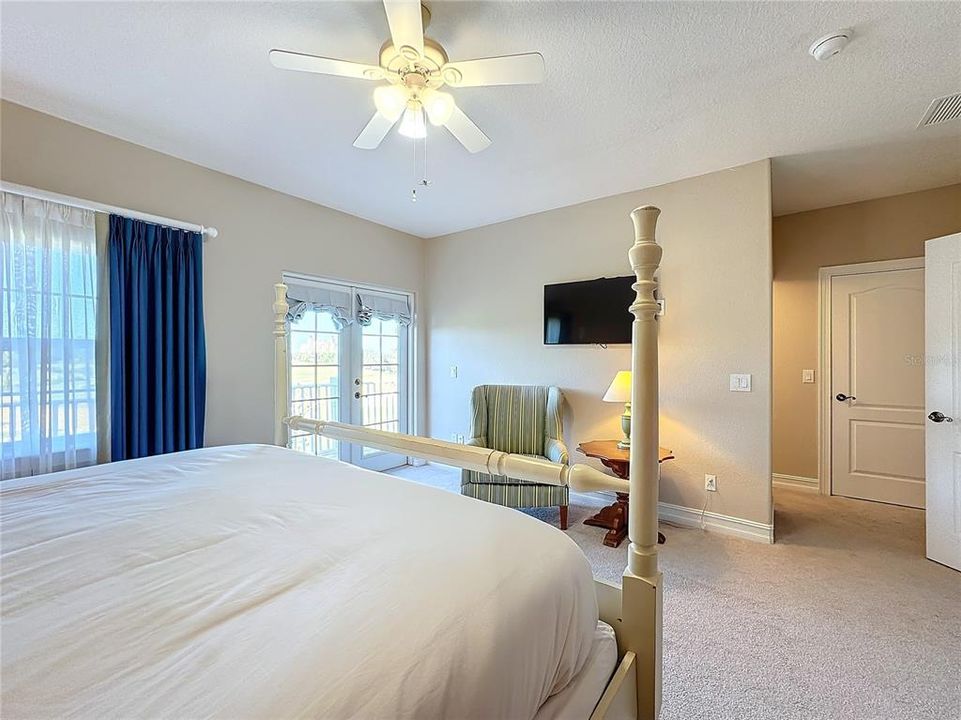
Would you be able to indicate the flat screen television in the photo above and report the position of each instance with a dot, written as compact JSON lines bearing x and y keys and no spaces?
{"x":588,"y":312}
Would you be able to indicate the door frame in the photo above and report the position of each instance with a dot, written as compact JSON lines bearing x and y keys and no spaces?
{"x":825,"y":275}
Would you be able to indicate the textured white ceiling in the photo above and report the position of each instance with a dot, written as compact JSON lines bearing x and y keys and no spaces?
{"x":637,"y":94}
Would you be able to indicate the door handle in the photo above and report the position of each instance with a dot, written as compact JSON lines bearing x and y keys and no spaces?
{"x":841,"y":397}
{"x":939,"y":417}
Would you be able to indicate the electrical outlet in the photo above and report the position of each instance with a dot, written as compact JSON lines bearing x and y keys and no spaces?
{"x":460,"y":439}
{"x":453,"y":437}
{"x":710,"y":483}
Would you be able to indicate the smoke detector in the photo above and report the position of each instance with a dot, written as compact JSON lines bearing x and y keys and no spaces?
{"x":830,"y":45}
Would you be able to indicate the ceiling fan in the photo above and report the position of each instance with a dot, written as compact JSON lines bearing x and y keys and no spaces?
{"x":415,"y":67}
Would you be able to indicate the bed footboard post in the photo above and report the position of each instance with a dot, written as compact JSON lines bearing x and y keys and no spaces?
{"x":642,"y":591}
{"x":281,"y":386}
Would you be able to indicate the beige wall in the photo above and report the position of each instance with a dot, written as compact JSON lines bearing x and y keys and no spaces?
{"x":262,"y":233}
{"x":883,"y":229}
{"x":486,"y":308}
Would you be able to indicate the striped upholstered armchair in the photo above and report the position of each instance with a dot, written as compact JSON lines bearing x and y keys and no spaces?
{"x":523,"y":419}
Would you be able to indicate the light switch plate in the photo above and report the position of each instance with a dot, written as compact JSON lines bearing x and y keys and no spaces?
{"x":807,"y":376}
{"x":740,"y":382}
{"x":453,"y":371}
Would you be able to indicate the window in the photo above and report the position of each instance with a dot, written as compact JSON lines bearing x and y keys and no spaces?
{"x":48,"y":311}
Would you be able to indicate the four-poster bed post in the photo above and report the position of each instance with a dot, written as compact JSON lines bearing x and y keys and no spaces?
{"x":281,"y":383}
{"x":642,"y":579}
{"x":635,"y":609}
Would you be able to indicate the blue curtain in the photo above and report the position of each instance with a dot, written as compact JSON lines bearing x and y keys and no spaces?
{"x":158,"y":362}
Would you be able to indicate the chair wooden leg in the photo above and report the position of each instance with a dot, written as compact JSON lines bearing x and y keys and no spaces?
{"x":563,"y":517}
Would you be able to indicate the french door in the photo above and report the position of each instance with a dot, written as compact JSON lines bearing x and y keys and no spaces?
{"x":351,"y":365}
{"x":378,"y":376}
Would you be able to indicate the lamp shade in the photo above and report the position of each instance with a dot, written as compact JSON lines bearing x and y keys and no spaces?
{"x":412,"y":124}
{"x":439,"y":106}
{"x":391,"y":101}
{"x":620,"y":389}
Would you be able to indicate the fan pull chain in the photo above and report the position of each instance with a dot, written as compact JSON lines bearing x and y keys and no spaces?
{"x":422,"y":181}
{"x":413,"y":192}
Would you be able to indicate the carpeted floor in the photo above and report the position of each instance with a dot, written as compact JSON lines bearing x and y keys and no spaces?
{"x":841,"y":618}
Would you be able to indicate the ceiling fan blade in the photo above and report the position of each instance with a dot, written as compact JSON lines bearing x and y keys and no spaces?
{"x":464,"y":129}
{"x":524,"y":69}
{"x":406,"y":26}
{"x":287,"y":60}
{"x":374,"y":132}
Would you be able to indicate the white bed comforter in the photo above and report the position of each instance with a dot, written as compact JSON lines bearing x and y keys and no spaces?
{"x":251,"y":581}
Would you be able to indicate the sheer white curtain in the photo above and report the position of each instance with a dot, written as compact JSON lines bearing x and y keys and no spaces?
{"x":47,"y":330}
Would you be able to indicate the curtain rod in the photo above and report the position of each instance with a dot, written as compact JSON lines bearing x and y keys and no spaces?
{"x":207,"y":232}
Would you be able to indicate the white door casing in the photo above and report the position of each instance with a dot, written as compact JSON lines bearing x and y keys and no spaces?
{"x":877,"y":386}
{"x":943,"y":396}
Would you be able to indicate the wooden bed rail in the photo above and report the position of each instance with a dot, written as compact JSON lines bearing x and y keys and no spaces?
{"x":494,"y":462}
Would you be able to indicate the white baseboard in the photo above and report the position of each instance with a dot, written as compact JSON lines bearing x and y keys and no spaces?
{"x":715,"y":522}
{"x":725,"y":524}
{"x":796,"y":482}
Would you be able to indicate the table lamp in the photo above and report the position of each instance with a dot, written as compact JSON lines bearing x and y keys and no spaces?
{"x":620,"y":392}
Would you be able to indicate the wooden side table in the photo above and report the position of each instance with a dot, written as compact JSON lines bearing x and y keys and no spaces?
{"x":614,"y":517}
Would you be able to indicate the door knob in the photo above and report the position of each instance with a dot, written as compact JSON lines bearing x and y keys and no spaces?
{"x":357,"y":395}
{"x":841,"y":397}
{"x":939,"y":417}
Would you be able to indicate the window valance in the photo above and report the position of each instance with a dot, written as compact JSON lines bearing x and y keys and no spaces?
{"x":344,"y":303}
{"x":304,"y":296}
{"x":384,"y":306}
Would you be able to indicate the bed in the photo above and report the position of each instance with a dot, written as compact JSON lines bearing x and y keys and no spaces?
{"x":241,"y":582}
{"x":255,"y":581}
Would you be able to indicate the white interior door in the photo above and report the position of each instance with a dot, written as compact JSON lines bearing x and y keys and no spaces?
{"x":877,"y":386}
{"x":943,"y":399}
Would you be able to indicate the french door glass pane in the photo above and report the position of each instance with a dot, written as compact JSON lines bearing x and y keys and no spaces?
{"x":315,"y":356}
{"x":381,"y":392}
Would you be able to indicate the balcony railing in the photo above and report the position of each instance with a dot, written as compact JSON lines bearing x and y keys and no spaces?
{"x":322,"y":402}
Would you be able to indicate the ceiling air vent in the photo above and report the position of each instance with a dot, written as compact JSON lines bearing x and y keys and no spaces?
{"x":941,"y":110}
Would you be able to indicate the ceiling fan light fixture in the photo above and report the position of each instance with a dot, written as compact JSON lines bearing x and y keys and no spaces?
{"x":390,"y":101}
{"x":439,"y":106}
{"x":414,"y":68}
{"x":412,"y":125}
